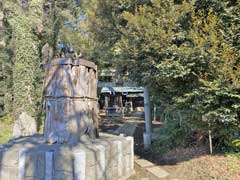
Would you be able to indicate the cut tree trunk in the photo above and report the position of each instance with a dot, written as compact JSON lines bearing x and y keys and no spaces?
{"x":71,"y":100}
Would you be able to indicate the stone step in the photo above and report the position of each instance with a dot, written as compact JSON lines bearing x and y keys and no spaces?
{"x":144,"y":163}
{"x":158,"y":172}
{"x":152,"y":171}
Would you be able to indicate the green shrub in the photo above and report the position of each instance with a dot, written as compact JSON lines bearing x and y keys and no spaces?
{"x":177,"y":131}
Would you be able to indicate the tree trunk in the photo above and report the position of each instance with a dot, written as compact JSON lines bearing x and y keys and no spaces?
{"x":23,"y":20}
{"x":24,"y":70}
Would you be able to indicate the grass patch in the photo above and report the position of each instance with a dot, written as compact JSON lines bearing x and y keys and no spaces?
{"x":6,"y":126}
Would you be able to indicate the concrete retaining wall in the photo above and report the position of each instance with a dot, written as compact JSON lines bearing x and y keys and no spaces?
{"x":107,"y":158}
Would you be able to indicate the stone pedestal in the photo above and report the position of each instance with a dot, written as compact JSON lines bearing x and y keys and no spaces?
{"x":73,"y":152}
{"x":30,"y":158}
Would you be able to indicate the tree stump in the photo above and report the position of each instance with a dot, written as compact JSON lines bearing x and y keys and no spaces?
{"x":71,"y":100}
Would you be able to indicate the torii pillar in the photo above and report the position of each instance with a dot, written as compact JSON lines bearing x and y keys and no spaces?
{"x":147,"y":135}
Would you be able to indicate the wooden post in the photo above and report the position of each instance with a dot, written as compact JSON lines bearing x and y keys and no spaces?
{"x":154,"y":112}
{"x":210,"y":138}
{"x":120,"y":102}
{"x":131,"y":104}
{"x":106,"y":99}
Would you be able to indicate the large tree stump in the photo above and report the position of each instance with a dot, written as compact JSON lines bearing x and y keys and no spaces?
{"x":71,"y":100}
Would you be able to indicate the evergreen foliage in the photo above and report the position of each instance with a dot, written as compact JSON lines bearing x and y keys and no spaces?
{"x":187,"y":52}
{"x":24,"y":20}
{"x":5,"y":67}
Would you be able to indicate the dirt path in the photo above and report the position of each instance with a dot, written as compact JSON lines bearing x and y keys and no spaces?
{"x":193,"y":163}
{"x":110,"y":125}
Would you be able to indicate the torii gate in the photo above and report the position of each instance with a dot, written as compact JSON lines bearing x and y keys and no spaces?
{"x":147,"y":135}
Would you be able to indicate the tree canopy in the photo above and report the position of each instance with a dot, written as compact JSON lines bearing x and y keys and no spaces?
{"x":187,"y":52}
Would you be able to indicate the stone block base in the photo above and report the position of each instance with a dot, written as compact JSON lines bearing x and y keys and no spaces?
{"x":30,"y":158}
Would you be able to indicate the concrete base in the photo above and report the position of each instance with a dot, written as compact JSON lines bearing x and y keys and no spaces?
{"x":30,"y":158}
{"x":147,"y":140}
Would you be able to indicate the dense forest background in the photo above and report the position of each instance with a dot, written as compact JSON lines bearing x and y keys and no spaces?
{"x":186,"y":52}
